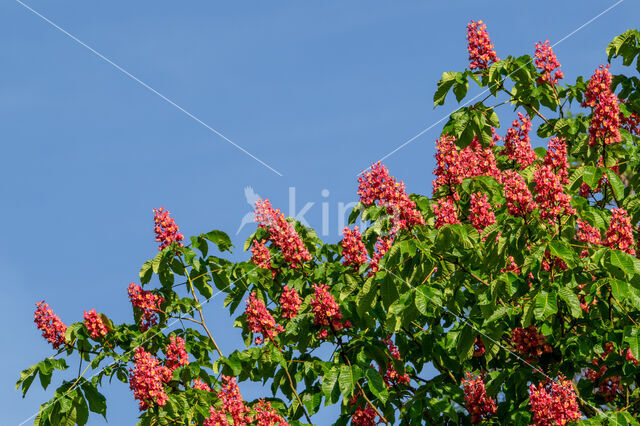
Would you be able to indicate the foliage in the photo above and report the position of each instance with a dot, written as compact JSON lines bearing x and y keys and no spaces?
{"x":519,"y":271}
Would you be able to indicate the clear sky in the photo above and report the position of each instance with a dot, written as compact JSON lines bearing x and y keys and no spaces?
{"x":316,"y":90}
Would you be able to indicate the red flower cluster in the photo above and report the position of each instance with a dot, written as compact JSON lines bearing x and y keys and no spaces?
{"x":326,"y":311}
{"x":148,"y":303}
{"x":519,"y":199}
{"x":478,"y":347}
{"x":587,"y":234}
{"x":53,"y":329}
{"x":620,"y":233}
{"x":147,"y":379}
{"x":266,"y":415}
{"x":260,"y":320}
{"x":452,"y":165}
{"x":546,"y":61}
{"x":512,"y":266}
{"x":553,"y":403}
{"x":364,"y":416}
{"x":446,"y":212}
{"x":550,"y":195}
{"x":175,"y":353}
{"x":232,"y":405}
{"x":480,"y":213}
{"x":94,"y":324}
{"x":260,"y":255}
{"x":481,"y":52}
{"x":282,"y":234}
{"x":289,"y":302}
{"x":630,"y":123}
{"x":376,"y":185}
{"x":391,"y":376}
{"x":199,"y":384}
{"x":477,"y":403}
{"x":599,"y":83}
{"x":353,"y":250}
{"x":517,"y":144}
{"x":530,"y":343}
{"x":609,"y":387}
{"x":383,"y":245}
{"x":605,"y":122}
{"x":165,"y":228}
{"x":556,"y":158}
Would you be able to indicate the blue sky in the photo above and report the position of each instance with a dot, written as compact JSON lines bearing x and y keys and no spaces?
{"x":317,"y":90}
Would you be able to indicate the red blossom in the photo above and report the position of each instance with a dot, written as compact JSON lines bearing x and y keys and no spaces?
{"x":477,"y":403}
{"x":481,"y":50}
{"x":452,"y":165}
{"x":480,"y":213}
{"x":630,"y":123}
{"x":266,"y":415}
{"x":148,"y":303}
{"x":232,"y":405}
{"x":512,"y":266}
{"x":282,"y":234}
{"x":529,"y":342}
{"x":364,"y":416}
{"x":478,"y":347}
{"x":199,"y":384}
{"x":260,"y":320}
{"x":147,"y":380}
{"x":94,"y":324}
{"x":326,"y":310}
{"x":165,"y":228}
{"x":377,"y":186}
{"x":175,"y":353}
{"x":553,"y":403}
{"x":353,"y":250}
{"x":605,"y":121}
{"x":260,"y":255}
{"x":599,"y":83}
{"x":620,"y":233}
{"x":519,"y":199}
{"x":289,"y":302}
{"x":517,"y":144}
{"x":556,"y":158}
{"x":546,"y":61}
{"x":383,"y":245}
{"x":391,"y":376}
{"x":446,"y":212}
{"x":53,"y":329}
{"x":587,"y":234}
{"x":550,"y":195}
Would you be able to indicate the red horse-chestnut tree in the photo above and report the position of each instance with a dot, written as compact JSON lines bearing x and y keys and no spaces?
{"x":510,"y":295}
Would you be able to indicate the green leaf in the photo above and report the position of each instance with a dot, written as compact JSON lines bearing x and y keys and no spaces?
{"x":622,"y":261}
{"x":546,"y":305}
{"x":562,"y":250}
{"x":220,"y":239}
{"x":146,"y":272}
{"x":329,"y":382}
{"x":591,"y":176}
{"x":572,"y":301}
{"x":376,"y":385}
{"x":346,"y":381}
{"x":620,"y":290}
{"x":464,"y":345}
{"x":97,"y":401}
{"x":444,"y":85}
{"x":616,"y":183}
{"x":366,"y":297}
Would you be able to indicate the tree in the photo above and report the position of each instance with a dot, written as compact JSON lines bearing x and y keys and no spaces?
{"x":518,"y":281}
